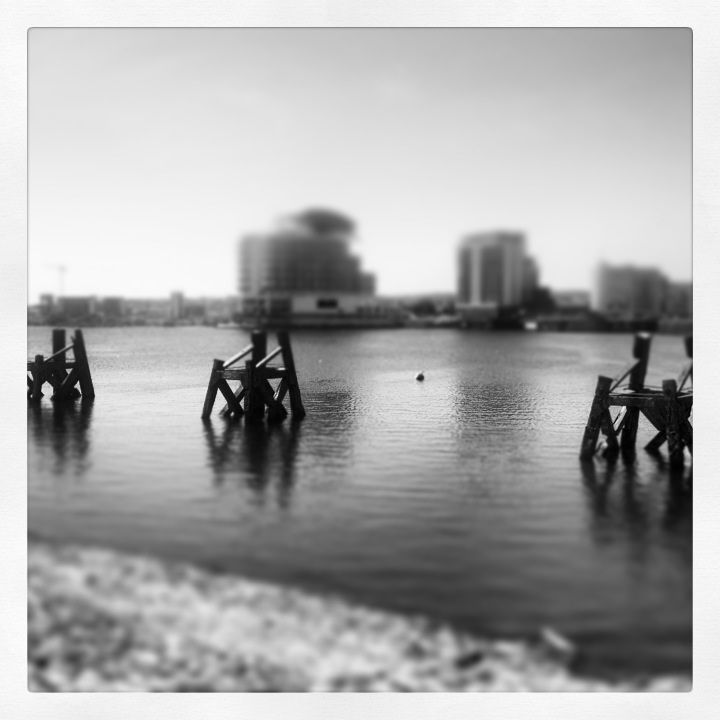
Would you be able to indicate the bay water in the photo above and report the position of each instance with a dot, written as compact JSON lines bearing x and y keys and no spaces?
{"x":460,"y":498}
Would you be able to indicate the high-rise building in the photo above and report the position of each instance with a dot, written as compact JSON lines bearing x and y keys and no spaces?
{"x":678,"y":302}
{"x":305,"y":268}
{"x":493,"y":271}
{"x":629,"y":292}
{"x":531,"y":278}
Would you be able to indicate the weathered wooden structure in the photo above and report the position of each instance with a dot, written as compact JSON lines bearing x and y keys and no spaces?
{"x":61,"y":373}
{"x":667,"y":409}
{"x":255,"y":393}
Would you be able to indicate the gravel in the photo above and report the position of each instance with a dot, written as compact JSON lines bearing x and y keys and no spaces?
{"x":106,"y":621}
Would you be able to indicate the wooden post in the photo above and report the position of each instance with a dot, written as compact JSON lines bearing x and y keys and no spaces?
{"x":296,"y":406}
{"x":654,"y":445}
{"x":656,"y":415}
{"x":58,"y":343}
{"x":38,"y":373}
{"x":686,"y":430}
{"x":212,"y":389}
{"x":233,"y":404}
{"x":598,"y":407}
{"x":687,"y":371}
{"x":58,"y":370}
{"x":608,"y":429}
{"x":636,"y":382}
{"x":82,"y":366}
{"x":259,"y":343}
{"x":254,"y":403}
{"x":641,"y":352}
{"x":672,"y":431}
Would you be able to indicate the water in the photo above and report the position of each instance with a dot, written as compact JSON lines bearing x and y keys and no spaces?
{"x":460,"y":497}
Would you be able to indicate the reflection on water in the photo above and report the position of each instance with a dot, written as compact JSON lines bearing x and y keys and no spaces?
{"x":260,"y":454}
{"x":631,"y":500}
{"x":64,"y":429}
{"x":460,"y":497}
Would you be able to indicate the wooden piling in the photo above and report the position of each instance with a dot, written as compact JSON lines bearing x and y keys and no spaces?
{"x":668,"y":410}
{"x":636,"y":383}
{"x":255,"y":390}
{"x":296,"y":406}
{"x":58,"y":344}
{"x":672,"y":430}
{"x":595,"y":418}
{"x":259,"y":345}
{"x":38,"y":377}
{"x":233,"y":404}
{"x":83,"y":368}
{"x":57,"y":363}
{"x":62,"y":374}
{"x":212,"y":388}
{"x":687,"y":371}
{"x":254,"y":405}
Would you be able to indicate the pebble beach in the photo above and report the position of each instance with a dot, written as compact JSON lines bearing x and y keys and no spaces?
{"x":99,"y":620}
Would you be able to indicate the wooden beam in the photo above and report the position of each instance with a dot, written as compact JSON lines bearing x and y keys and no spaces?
{"x":233,"y":405}
{"x":629,"y":433}
{"x":296,"y":405}
{"x":236,"y":357}
{"x":276,"y":412}
{"x":269,"y":357}
{"x":592,"y":429}
{"x":271,"y":373}
{"x":672,"y":430}
{"x":212,"y":389}
{"x":83,"y":367}
{"x":641,"y":351}
{"x":656,"y":416}
{"x":656,"y":442}
{"x":38,"y":377}
{"x":606,"y":425}
{"x":643,"y":400}
{"x":239,"y":395}
{"x":254,"y":404}
{"x":65,"y":390}
{"x":282,"y":388}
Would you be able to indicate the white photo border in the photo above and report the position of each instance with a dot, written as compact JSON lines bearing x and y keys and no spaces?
{"x":704,"y":21}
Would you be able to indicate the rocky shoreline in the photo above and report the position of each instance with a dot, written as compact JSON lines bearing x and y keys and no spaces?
{"x":99,"y":620}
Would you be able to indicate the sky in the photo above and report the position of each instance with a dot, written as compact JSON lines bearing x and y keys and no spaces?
{"x":152,"y":151}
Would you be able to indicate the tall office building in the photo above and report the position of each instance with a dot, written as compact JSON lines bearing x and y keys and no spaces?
{"x":629,"y":292}
{"x":678,"y":301}
{"x":493,"y":271}
{"x":305,"y":268}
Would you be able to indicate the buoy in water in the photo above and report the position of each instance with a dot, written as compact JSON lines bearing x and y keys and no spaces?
{"x":420,"y":376}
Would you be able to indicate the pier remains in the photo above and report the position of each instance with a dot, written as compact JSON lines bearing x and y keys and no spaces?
{"x":667,"y":408}
{"x":255,"y":394}
{"x":69,"y":378}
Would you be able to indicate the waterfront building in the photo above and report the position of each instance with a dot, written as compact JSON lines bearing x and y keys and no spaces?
{"x":304,"y":273}
{"x":177,"y":306}
{"x":112,"y":309}
{"x":531,"y":279}
{"x":150,"y":311}
{"x":629,"y":292}
{"x":77,"y":306}
{"x":571,"y":300}
{"x":493,"y":274}
{"x":679,"y":301}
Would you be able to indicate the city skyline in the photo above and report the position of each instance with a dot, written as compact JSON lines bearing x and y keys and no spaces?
{"x":152,"y":151}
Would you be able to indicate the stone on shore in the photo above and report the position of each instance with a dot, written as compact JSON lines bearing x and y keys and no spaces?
{"x":106,"y":621}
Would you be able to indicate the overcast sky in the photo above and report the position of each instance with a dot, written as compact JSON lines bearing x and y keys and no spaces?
{"x":152,"y":151}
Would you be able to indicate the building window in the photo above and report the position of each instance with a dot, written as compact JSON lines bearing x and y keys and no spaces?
{"x":327,"y":303}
